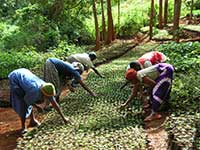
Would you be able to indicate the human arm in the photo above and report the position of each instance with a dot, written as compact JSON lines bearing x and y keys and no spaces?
{"x":148,"y":81}
{"x":96,"y":71}
{"x":86,"y":88}
{"x":125,"y":84}
{"x":133,"y":94}
{"x":69,"y":85}
{"x":57,"y":108}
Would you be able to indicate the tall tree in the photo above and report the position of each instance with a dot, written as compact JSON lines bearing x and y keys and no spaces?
{"x":111,"y":32}
{"x":151,"y":20}
{"x":119,"y":13}
{"x":96,"y":25}
{"x":177,"y":10}
{"x":160,"y":18}
{"x":165,"y":12}
{"x":56,"y":9}
{"x":191,"y":9}
{"x":103,"y":22}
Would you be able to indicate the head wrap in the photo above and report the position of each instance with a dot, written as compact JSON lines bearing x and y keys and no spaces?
{"x":79,"y":66}
{"x":92,"y":55}
{"x":135,"y":65}
{"x":130,"y":74}
{"x":48,"y":89}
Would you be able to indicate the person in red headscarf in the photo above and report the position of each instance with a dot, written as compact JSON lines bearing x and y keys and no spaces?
{"x":159,"y":78}
{"x":147,"y":60}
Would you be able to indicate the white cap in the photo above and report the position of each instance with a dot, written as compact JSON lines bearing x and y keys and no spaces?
{"x":78,"y":65}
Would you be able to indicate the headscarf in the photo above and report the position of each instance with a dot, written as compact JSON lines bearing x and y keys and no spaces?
{"x":48,"y":89}
{"x":92,"y":55}
{"x":79,"y":66}
{"x":130,"y":74}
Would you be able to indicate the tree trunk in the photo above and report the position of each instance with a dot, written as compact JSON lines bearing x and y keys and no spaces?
{"x":160,"y":25}
{"x":151,"y":20}
{"x":177,"y":9}
{"x":111,"y":33}
{"x":165,"y":13}
{"x":96,"y":25}
{"x":103,"y":22}
{"x":191,"y":9}
{"x":56,"y":9}
{"x":118,"y":15}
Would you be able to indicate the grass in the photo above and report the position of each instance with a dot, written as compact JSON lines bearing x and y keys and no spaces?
{"x":192,"y":27}
{"x":97,"y":123}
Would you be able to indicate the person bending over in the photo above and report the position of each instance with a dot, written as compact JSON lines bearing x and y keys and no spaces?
{"x":86,"y":59}
{"x":27,"y":90}
{"x":147,"y":60}
{"x":62,"y":73}
{"x":159,"y":77}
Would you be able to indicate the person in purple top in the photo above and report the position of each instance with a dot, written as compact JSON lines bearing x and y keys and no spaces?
{"x":159,"y":78}
{"x":62,"y":73}
{"x":27,"y":90}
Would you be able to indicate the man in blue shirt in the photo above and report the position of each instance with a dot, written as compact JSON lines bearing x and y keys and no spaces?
{"x":26,"y":89}
{"x":60,"y":73}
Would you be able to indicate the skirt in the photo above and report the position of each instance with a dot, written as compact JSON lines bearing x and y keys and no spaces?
{"x":17,"y":99}
{"x":162,"y":89}
{"x":51,"y":75}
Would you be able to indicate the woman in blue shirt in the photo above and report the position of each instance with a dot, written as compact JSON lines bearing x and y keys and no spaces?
{"x":26,"y":90}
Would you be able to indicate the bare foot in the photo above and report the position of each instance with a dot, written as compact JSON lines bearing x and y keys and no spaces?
{"x":146,"y":106}
{"x":153,"y":117}
{"x":34,"y":123}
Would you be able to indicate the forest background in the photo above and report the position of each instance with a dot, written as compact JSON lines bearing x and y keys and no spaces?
{"x":32,"y":31}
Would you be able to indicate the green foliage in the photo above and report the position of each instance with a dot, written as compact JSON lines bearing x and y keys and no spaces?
{"x":96,"y":122}
{"x":75,"y":30}
{"x":130,"y":17}
{"x":8,"y":7}
{"x":29,"y":58}
{"x":184,"y":56}
{"x":13,"y":60}
{"x":64,"y":49}
{"x":196,"y":4}
{"x":161,"y":34}
{"x":185,"y":94}
{"x":43,"y":24}
{"x":42,"y":33}
{"x":185,"y":100}
{"x":183,"y":130}
{"x":6,"y":32}
{"x":192,"y":27}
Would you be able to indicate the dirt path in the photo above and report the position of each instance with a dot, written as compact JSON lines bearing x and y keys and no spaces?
{"x":10,"y":128}
{"x":156,"y":135}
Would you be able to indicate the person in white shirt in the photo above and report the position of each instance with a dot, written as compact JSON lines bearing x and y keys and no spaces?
{"x":159,"y":78}
{"x":86,"y":59}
